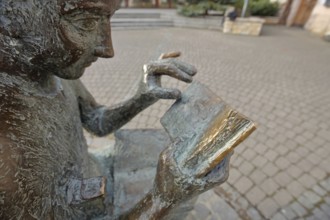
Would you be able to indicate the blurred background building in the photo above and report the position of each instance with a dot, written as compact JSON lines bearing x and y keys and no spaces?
{"x":313,"y":15}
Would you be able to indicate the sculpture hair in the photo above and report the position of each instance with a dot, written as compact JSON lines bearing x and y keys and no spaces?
{"x":25,"y":29}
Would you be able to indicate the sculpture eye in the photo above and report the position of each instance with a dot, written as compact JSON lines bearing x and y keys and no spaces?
{"x":86,"y":24}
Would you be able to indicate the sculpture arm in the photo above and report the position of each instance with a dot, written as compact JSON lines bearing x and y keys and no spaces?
{"x":102,"y":120}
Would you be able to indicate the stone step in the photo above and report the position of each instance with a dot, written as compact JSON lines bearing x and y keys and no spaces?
{"x":137,"y":15}
{"x":138,"y":23}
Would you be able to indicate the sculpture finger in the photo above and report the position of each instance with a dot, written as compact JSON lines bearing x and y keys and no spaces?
{"x":166,"y":93}
{"x":219,"y":173}
{"x":168,"y":69}
{"x":169,"y":55}
{"x":185,"y":67}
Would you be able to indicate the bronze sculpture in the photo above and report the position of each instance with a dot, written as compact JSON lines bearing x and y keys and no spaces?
{"x":45,"y":169}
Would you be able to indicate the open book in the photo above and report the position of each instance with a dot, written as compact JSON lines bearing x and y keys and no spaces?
{"x":205,"y":127}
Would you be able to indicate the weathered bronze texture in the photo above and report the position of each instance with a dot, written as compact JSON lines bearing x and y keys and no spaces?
{"x":46,"y":171}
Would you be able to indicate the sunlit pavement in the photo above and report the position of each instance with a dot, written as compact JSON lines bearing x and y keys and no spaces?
{"x":280,"y":80}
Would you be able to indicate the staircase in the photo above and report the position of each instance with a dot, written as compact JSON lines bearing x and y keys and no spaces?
{"x":140,"y":18}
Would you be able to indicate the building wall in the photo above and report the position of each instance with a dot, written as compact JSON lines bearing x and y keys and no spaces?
{"x":293,"y":12}
{"x":319,"y":21}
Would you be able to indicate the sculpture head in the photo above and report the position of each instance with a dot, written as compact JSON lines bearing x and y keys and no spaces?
{"x":60,"y":37}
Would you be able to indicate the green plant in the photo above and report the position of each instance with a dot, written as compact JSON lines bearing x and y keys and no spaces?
{"x":264,"y":8}
{"x":258,"y":7}
{"x":200,"y":9}
{"x":239,"y":7}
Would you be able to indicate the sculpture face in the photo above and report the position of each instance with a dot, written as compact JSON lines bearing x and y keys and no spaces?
{"x":65,"y":37}
{"x":85,"y":32}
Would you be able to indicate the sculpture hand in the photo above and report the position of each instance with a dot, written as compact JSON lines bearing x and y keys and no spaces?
{"x":151,"y":83}
{"x":176,"y":181}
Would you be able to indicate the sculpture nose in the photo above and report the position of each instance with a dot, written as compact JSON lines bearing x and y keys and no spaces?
{"x":104,"y":48}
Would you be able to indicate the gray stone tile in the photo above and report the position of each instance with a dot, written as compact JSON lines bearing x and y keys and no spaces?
{"x":295,"y":188}
{"x":243,"y":184}
{"x":270,"y":169}
{"x":307,"y":180}
{"x":299,"y":209}
{"x":282,"y":197}
{"x":283,"y":179}
{"x":269,"y":186}
{"x":257,"y":176}
{"x":268,"y":207}
{"x":255,"y":195}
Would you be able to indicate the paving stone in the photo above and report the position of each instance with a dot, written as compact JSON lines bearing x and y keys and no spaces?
{"x":305,"y":202}
{"x":278,"y":216}
{"x":320,"y":214}
{"x":246,"y":168}
{"x":307,"y":180}
{"x":282,"y":197}
{"x":311,"y":218}
{"x":234,"y":175}
{"x":255,"y":195}
{"x":242,"y":202}
{"x":288,"y":213}
{"x":314,"y":158}
{"x":295,"y":188}
{"x":324,"y":164}
{"x":257,"y":176}
{"x":223,"y":210}
{"x":269,"y":186}
{"x":282,"y":163}
{"x":322,"y":152}
{"x":312,"y":197}
{"x":282,"y":150}
{"x":236,"y":161}
{"x":298,"y":209}
{"x":324,"y":134}
{"x":243,"y":184}
{"x":271,"y":155}
{"x":259,"y":161}
{"x":201,"y":211}
{"x":260,"y":148}
{"x":326,"y":184}
{"x":303,"y":152}
{"x":318,"y":173}
{"x":301,"y":139}
{"x":293,"y":157}
{"x":326,"y":209}
{"x":305,"y":165}
{"x":283,"y":179}
{"x":268,"y":207}
{"x":249,"y":154}
{"x":270,"y":169}
{"x":271,"y":143}
{"x":319,"y":190}
{"x":254,"y":214}
{"x":294,"y":171}
{"x":327,"y":199}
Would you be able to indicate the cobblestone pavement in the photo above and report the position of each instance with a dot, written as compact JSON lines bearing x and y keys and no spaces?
{"x":280,"y":80}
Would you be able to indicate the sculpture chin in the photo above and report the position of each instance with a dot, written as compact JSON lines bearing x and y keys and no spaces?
{"x":75,"y":70}
{"x":70,"y":73}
